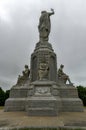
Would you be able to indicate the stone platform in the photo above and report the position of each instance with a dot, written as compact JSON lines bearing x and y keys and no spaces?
{"x":42,"y":106}
{"x":44,"y":98}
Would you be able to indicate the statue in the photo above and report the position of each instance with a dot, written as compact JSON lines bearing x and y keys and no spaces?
{"x":24,"y":77}
{"x":26,"y":72}
{"x":43,"y":70}
{"x":62,"y":76}
{"x":44,"y":26}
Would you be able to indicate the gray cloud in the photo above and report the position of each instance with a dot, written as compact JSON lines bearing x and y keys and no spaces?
{"x":19,"y":34}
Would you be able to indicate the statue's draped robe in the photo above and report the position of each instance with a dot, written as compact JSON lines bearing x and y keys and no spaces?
{"x":44,"y":25}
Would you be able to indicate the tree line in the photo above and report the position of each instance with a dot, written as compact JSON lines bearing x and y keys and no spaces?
{"x":3,"y":96}
{"x":81,"y":93}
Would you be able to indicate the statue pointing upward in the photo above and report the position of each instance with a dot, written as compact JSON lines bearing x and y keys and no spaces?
{"x":45,"y":25}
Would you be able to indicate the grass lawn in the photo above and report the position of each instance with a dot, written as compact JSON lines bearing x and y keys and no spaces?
{"x":1,"y":107}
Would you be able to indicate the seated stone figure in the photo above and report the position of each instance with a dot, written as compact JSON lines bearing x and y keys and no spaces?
{"x":62,"y":76}
{"x":26,"y":72}
{"x":43,"y":70}
{"x":24,"y":77}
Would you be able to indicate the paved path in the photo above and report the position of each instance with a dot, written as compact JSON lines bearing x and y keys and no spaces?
{"x":14,"y":119}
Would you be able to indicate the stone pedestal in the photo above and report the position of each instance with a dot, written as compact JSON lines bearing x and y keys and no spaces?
{"x":45,"y":99}
{"x":15,"y":104}
{"x":41,"y":106}
{"x":44,"y":95}
{"x":69,"y":99}
{"x":43,"y":50}
{"x":17,"y":99}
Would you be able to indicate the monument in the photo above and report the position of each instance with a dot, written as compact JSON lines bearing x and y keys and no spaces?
{"x":42,"y":89}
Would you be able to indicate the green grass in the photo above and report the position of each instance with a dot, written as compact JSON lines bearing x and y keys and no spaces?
{"x":1,"y":107}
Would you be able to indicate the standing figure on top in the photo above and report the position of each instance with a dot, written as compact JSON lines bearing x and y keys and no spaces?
{"x":44,"y":26}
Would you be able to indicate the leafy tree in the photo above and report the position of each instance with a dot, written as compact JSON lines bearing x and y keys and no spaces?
{"x":82,"y":93}
{"x":7,"y":94}
{"x":2,"y":97}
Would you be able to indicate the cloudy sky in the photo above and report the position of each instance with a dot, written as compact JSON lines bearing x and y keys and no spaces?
{"x":19,"y":34}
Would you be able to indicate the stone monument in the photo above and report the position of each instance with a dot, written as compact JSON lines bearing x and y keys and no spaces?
{"x":42,"y":89}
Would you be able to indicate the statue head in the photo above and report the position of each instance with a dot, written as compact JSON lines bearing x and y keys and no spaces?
{"x":42,"y":12}
{"x":26,"y":66}
{"x":62,"y":66}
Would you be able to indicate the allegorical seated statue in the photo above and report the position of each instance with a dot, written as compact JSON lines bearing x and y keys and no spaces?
{"x":25,"y":75}
{"x":62,"y":76}
{"x":44,"y":26}
{"x":43,"y":70}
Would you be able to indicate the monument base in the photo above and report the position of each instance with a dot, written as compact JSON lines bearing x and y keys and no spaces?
{"x":69,"y":98}
{"x":17,"y":99}
{"x":42,"y":106}
{"x":15,"y":104}
{"x":44,"y":98}
{"x":72,"y":105}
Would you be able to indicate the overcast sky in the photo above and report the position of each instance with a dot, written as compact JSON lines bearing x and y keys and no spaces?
{"x":19,"y":34}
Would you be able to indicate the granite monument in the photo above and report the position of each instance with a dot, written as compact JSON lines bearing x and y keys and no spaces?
{"x":42,"y":90}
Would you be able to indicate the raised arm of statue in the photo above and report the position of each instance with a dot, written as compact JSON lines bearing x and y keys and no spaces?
{"x":51,"y":13}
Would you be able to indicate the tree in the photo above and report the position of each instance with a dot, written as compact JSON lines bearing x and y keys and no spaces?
{"x":82,"y":93}
{"x":2,"y":97}
{"x":7,"y":94}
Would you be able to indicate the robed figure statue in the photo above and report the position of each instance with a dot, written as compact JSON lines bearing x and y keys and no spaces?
{"x":44,"y":26}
